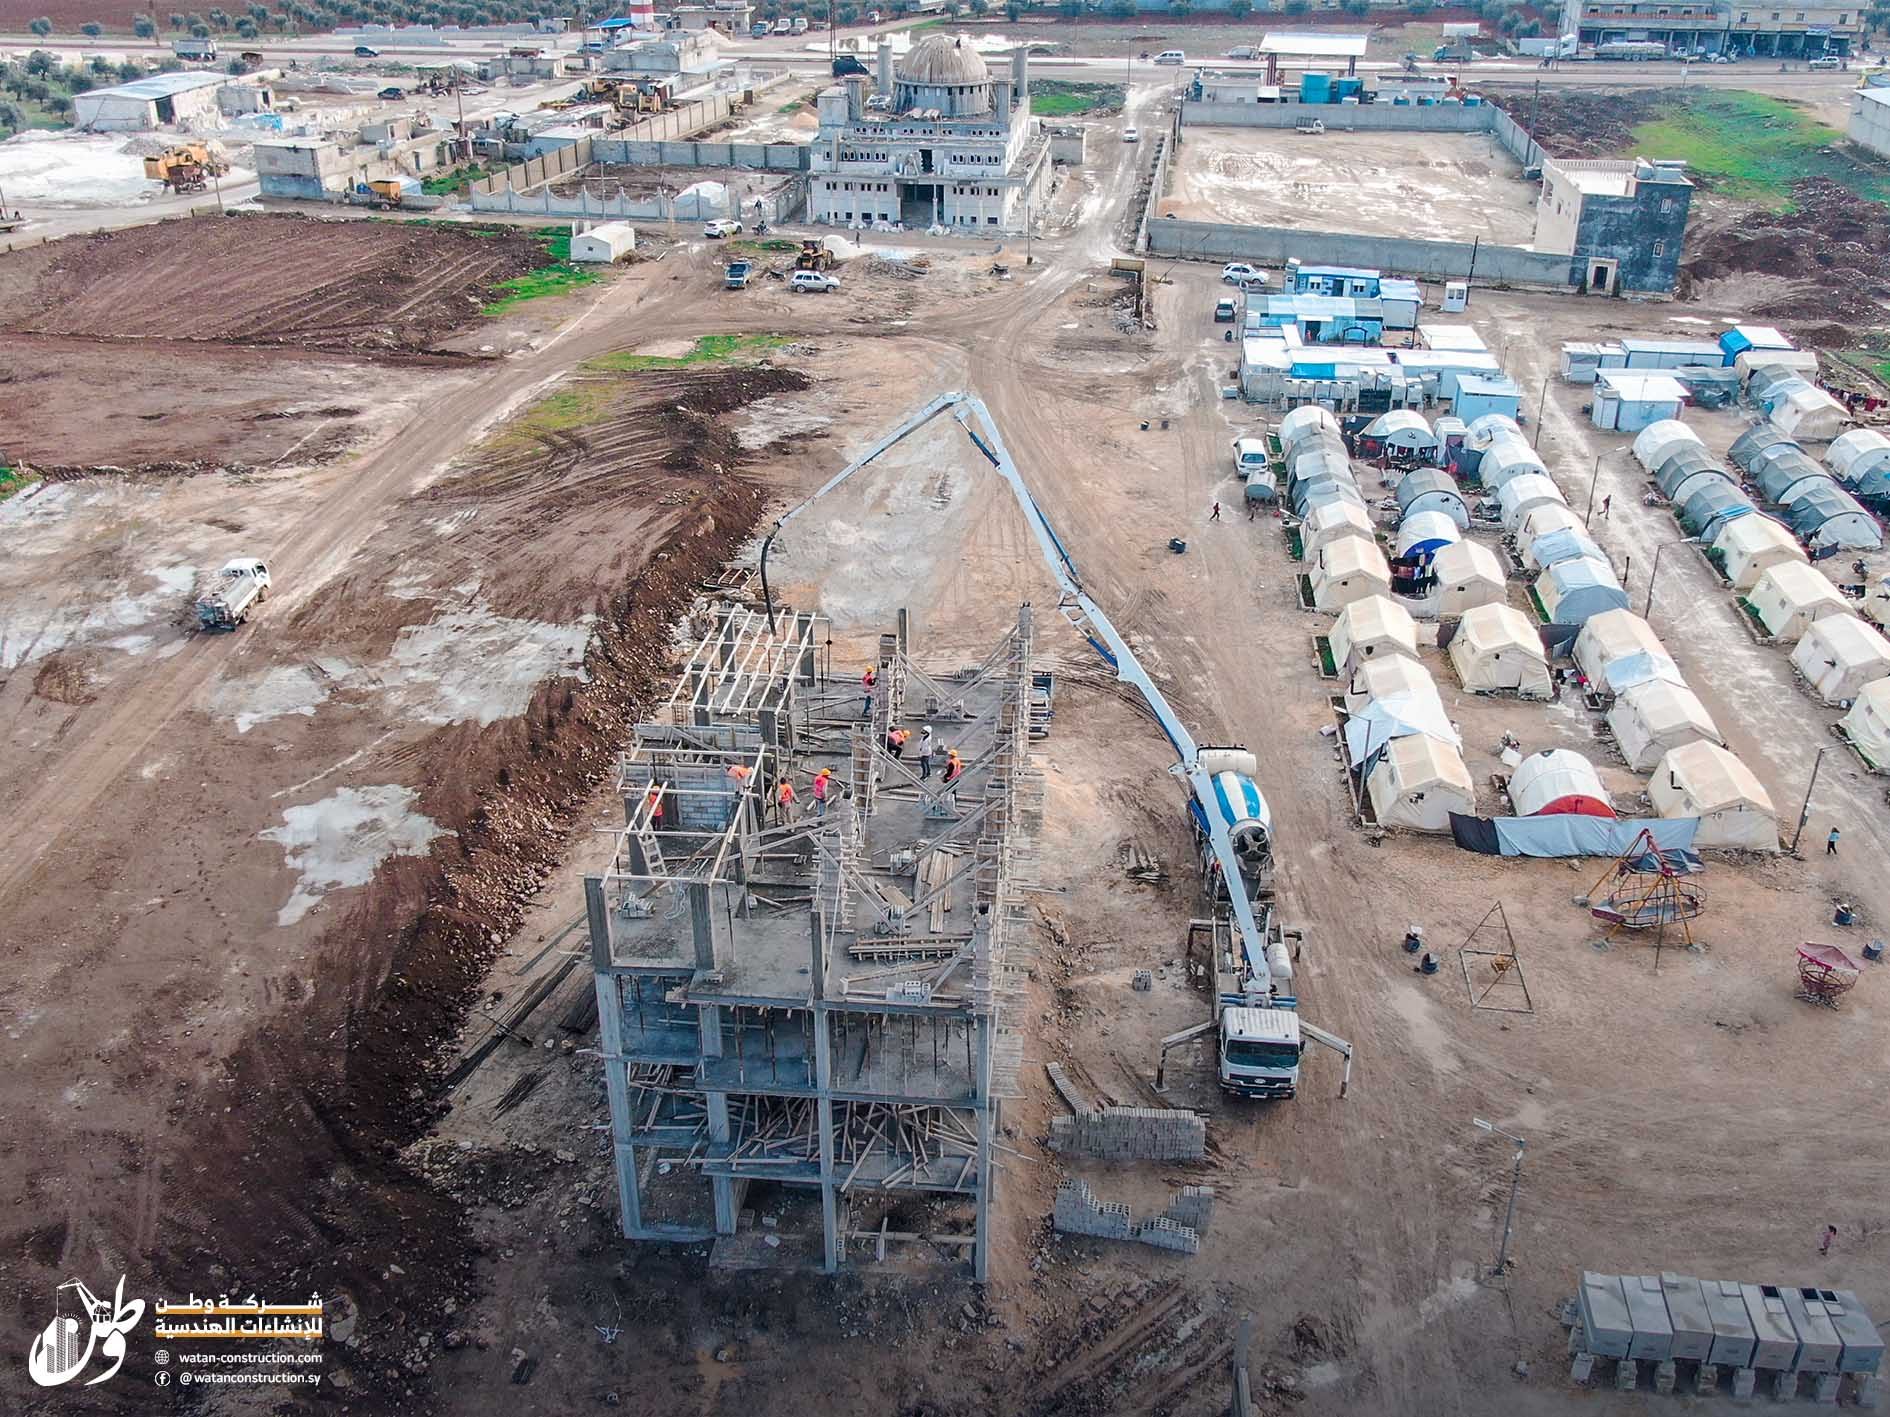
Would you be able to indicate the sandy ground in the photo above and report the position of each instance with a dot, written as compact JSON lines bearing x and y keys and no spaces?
{"x":1696,"y":1119}
{"x":1439,"y":186}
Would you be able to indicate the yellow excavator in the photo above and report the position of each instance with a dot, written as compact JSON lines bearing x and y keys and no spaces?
{"x":188,"y":167}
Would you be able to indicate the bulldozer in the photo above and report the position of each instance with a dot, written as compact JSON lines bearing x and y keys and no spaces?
{"x":814,"y":256}
{"x":188,"y":167}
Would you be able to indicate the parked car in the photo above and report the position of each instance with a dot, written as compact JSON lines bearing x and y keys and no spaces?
{"x":845,"y":64}
{"x":784,"y":25}
{"x":393,"y":91}
{"x":1226,"y":310}
{"x":800,"y":24}
{"x":1825,"y":61}
{"x":758,"y":30}
{"x":872,"y":17}
{"x":1131,"y":135}
{"x":720,"y":227}
{"x":737,"y":275}
{"x":1243,"y":275}
{"x":813,"y":282}
{"x":1171,"y":56}
{"x":362,"y":51}
{"x":1244,"y":51}
{"x":1721,"y":59}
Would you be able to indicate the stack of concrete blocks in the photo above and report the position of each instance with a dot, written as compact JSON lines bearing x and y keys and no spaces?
{"x":1131,"y":1134}
{"x":1179,"y":1228}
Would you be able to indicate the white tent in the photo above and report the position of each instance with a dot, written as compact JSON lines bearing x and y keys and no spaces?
{"x":1572,"y":591}
{"x":1558,"y":782}
{"x":1467,"y":575}
{"x":1403,"y":429}
{"x":1425,"y":534}
{"x":1387,"y":677}
{"x":1418,"y":783}
{"x":1867,"y":726}
{"x":1856,"y":454}
{"x":1550,"y":516}
{"x":1496,"y":649}
{"x":1369,"y":628}
{"x":1521,"y":495}
{"x":1656,"y":717}
{"x":1509,"y":456}
{"x":1703,"y":780}
{"x":1809,"y":414}
{"x":1563,"y":544}
{"x":1804,"y":361}
{"x":1332,"y":521}
{"x":1609,"y":638}
{"x":1748,"y":547}
{"x":1486,"y":427}
{"x":1660,"y":438}
{"x":1876,"y":606}
{"x":1839,"y":655}
{"x":1307,"y":421}
{"x":1348,"y":569}
{"x":1790,"y":596}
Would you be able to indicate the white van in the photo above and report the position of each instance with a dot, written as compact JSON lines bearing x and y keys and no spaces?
{"x":800,"y":24}
{"x":1171,"y":56}
{"x":1250,"y":456}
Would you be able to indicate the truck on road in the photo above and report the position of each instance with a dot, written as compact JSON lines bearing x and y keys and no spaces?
{"x":232,"y":593}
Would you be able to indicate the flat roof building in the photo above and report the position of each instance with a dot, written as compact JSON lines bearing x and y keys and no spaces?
{"x":1621,"y":222}
{"x":1870,"y":120}
{"x":155,"y":102}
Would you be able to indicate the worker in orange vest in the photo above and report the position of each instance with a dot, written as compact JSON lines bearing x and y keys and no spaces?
{"x":784,"y":800}
{"x":954,"y":769}
{"x":655,"y":801}
{"x":896,"y":742}
{"x":740,"y":773}
{"x":867,"y":681}
{"x":823,"y":782}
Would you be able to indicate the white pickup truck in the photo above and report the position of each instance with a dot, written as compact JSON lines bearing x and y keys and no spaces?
{"x":233,"y":592}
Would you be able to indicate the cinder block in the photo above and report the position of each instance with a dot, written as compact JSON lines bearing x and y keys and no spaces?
{"x":1164,"y":1234}
{"x":1664,"y":1375}
{"x":1580,"y":1370}
{"x":1627,"y":1374}
{"x":1193,"y":1206}
{"x":1869,"y":1391}
{"x":1744,"y":1381}
{"x":1826,"y":1391}
{"x":1706,"y":1380}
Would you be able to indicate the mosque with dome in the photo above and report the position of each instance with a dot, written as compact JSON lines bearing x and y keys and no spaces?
{"x":939,"y":142}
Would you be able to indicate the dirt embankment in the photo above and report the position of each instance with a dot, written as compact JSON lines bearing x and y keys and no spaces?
{"x":1585,"y":123}
{"x":355,"y":286}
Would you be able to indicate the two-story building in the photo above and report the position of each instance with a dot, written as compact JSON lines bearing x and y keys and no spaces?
{"x":1708,"y":27}
{"x":942,"y":143}
{"x":1621,"y":223}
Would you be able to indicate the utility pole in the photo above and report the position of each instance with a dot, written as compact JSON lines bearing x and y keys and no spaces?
{"x":1515,"y":1185}
{"x":1804,"y":809}
{"x":1535,"y":110}
{"x":1592,"y":483}
{"x":1470,"y":276}
{"x":1648,"y":608}
{"x":1541,"y":404}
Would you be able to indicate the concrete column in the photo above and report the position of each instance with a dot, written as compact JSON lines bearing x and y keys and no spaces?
{"x":1020,"y":75}
{"x":987,"y":1118}
{"x":704,"y":927}
{"x":610,"y":1045}
{"x":722,"y":1188}
{"x":823,"y":1105}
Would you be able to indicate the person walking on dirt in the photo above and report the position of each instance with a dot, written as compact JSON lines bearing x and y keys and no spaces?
{"x":1215,"y":515}
{"x":925,"y":752}
{"x":1830,"y":843}
{"x":1253,"y":509}
{"x":1606,"y":503}
{"x":823,"y":781}
{"x":784,"y":801}
{"x":1830,"y":1234}
{"x":867,"y":681}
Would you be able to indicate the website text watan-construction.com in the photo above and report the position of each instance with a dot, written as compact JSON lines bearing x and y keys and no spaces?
{"x":258,"y":1369}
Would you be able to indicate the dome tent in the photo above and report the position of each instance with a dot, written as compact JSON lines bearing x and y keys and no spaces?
{"x":1496,"y":649}
{"x":1302,"y":423}
{"x":1755,"y":440}
{"x":1703,"y":780}
{"x":1710,"y":503}
{"x":1860,"y":459}
{"x":1558,"y":782}
{"x":1784,"y":468}
{"x":1571,"y":591}
{"x":1839,"y":655}
{"x":1422,"y":535}
{"x":1652,"y":719}
{"x":1403,"y":430}
{"x":1431,"y":489}
{"x":1660,"y":438}
{"x":1680,"y":466}
{"x":1824,"y":514}
{"x":1507,"y":458}
{"x":1747,"y":547}
{"x":1521,"y":495}
{"x":1417,"y":782}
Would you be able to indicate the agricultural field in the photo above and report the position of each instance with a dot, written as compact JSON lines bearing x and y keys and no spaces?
{"x":1755,"y":148}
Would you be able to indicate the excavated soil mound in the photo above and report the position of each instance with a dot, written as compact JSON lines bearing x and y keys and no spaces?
{"x":1834,"y":242}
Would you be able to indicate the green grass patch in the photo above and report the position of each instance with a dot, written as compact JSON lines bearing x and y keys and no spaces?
{"x":1295,"y":548}
{"x":573,"y":406}
{"x":556,"y":279}
{"x":1754,"y":147}
{"x":1055,"y":98}
{"x":785,"y":109}
{"x":448,"y":183}
{"x":1328,"y":667}
{"x":710,"y":349}
{"x":1870,"y":361}
{"x":776,"y":244}
{"x":13,"y":479}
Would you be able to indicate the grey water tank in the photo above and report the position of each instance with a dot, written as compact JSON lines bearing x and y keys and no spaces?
{"x":1863,"y":1345}
{"x":1607,"y":1327}
{"x":1777,"y":1340}
{"x":1687,"y":1311}
{"x":1819,"y":1346}
{"x":1733,"y":1339}
{"x":1647,"y":1307}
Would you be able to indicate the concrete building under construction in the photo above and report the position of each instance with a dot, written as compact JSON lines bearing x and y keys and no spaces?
{"x":816,"y":999}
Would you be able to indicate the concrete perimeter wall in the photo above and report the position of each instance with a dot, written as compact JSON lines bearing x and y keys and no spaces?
{"x":768,"y":157}
{"x":1426,"y":260}
{"x":1340,"y":117}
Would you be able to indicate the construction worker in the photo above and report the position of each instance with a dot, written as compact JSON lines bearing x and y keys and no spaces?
{"x":740,"y":774}
{"x":823,"y":782}
{"x":896,"y":742}
{"x":655,"y":800}
{"x":784,"y":801}
{"x":925,"y":752}
{"x":867,"y":681}
{"x":954,"y":769}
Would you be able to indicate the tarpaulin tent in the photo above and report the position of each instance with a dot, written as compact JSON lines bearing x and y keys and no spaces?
{"x":1520,"y":495}
{"x":1676,"y":468}
{"x":1747,"y":547}
{"x":1710,"y":503}
{"x":1496,"y":649}
{"x":1860,"y":459}
{"x":1839,"y":655}
{"x":1790,"y":596}
{"x":1348,"y":569}
{"x":1704,"y":781}
{"x":1781,"y":469}
{"x":1370,"y":628}
{"x":1661,"y":437}
{"x":1403,"y":430}
{"x":1568,"y":834}
{"x":1422,"y":535}
{"x":1485,"y":427}
{"x":1324,"y":456}
{"x":1572,"y":591}
{"x":1867,"y":726}
{"x":1610,"y":636}
{"x":1555,"y":782}
{"x":1550,"y":516}
{"x":1563,"y":545}
{"x":1507,"y":458}
{"x":1417,"y":782}
{"x":1652,"y":719}
{"x":1826,"y":515}
{"x":1302,"y":423}
{"x":1431,"y":489}
{"x":1808,"y":413}
{"x":1329,"y":521}
{"x":1466,"y":574}
{"x":1747,"y":447}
